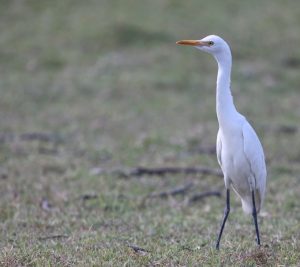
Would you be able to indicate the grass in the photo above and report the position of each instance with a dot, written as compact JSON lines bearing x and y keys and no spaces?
{"x":102,"y":84}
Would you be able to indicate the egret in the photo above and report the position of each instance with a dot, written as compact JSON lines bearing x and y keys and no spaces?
{"x":239,"y":151}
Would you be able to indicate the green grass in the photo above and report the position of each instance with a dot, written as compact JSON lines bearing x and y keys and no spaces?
{"x":106,"y":85}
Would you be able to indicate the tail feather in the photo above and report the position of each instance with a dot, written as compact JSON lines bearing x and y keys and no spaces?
{"x":247,"y":203}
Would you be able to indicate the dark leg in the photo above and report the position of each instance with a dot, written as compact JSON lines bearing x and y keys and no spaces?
{"x":226,"y":213}
{"x":254,"y":214}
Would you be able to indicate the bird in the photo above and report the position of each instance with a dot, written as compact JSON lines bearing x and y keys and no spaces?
{"x":239,"y":150}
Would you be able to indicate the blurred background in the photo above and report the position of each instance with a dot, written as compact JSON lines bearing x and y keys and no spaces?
{"x":88,"y":87}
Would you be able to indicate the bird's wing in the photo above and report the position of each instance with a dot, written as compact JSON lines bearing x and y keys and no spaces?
{"x":219,"y":148}
{"x":255,"y":155}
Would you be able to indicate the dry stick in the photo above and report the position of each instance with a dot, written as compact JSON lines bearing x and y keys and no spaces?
{"x":161,"y":171}
{"x":138,"y":249}
{"x":88,"y":196}
{"x":175,"y":191}
{"x":43,"y":137}
{"x":31,"y":136}
{"x":202,"y":195}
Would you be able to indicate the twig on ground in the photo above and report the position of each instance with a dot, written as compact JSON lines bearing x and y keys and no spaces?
{"x":173,"y":170}
{"x":138,"y":250}
{"x":31,"y":136}
{"x":202,"y":195}
{"x":178,"y":190}
{"x":161,"y":171}
{"x":42,"y":137}
{"x":88,"y":196}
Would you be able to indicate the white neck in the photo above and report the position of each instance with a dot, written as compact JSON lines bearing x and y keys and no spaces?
{"x":224,"y":101}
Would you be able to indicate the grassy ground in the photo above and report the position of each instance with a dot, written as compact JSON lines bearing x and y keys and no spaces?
{"x":101,"y":84}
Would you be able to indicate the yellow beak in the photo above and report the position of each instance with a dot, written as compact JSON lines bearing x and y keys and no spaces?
{"x":192,"y":43}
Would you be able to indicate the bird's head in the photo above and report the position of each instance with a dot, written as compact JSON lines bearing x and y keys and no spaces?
{"x":212,"y":44}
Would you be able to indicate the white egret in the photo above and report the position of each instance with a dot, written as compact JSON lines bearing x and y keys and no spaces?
{"x":239,"y":151}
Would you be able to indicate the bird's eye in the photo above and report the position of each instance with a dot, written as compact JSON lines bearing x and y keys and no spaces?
{"x":210,"y":43}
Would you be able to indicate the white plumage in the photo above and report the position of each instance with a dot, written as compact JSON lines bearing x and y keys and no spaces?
{"x":239,"y":151}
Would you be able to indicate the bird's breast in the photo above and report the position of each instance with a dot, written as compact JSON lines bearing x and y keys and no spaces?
{"x":234,"y":162}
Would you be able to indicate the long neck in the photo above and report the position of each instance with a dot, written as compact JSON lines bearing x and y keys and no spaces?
{"x":225,"y":106}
